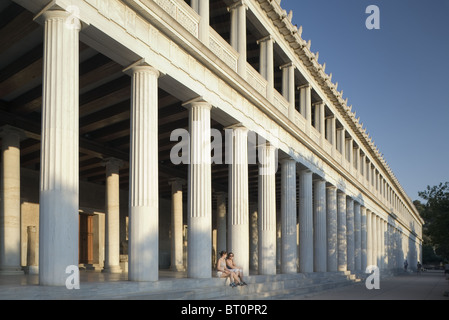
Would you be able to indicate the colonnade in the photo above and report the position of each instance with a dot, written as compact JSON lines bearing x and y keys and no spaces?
{"x":337,"y":232}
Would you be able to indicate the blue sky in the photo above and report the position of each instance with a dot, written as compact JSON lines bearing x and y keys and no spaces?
{"x":396,"y":78}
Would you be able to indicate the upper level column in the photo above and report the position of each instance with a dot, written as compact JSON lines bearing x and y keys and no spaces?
{"x":10,"y":216}
{"x":143,"y":172}
{"x":288,"y":87}
{"x":59,"y":174}
{"x":305,"y":104}
{"x":267,"y":64}
{"x":202,"y":8}
{"x":199,"y":216}
{"x":238,"y":33}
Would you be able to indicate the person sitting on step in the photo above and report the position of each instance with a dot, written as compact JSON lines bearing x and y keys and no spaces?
{"x":232,"y":267}
{"x":223,"y":272}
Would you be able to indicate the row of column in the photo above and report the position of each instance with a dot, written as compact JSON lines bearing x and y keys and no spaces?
{"x":59,"y":185}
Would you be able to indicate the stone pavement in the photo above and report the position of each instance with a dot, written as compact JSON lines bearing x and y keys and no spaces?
{"x":428,"y":285}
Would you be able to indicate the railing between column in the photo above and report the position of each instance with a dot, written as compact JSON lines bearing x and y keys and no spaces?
{"x":256,"y":80}
{"x":222,"y":49}
{"x":182,"y":13}
{"x":281,"y":103}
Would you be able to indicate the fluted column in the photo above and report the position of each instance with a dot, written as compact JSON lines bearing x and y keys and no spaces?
{"x":319,"y":226}
{"x":288,"y":87}
{"x":305,"y":104}
{"x":202,"y":8}
{"x":350,"y":233}
{"x":369,"y":241}
{"x":10,"y":201}
{"x":375,"y":260}
{"x":341,"y":231}
{"x":331,"y":228}
{"x":239,"y":198}
{"x":59,"y":177}
{"x":221,"y":221}
{"x":143,"y":172}
{"x":177,"y":255}
{"x":364,"y":237}
{"x":199,"y":223}
{"x":267,"y":63}
{"x":238,"y":33}
{"x":267,"y":210}
{"x":305,"y":222}
{"x":288,"y":216}
{"x":112,"y":210}
{"x":357,"y":237}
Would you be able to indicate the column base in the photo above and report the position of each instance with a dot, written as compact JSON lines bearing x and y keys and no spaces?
{"x":112,"y":269}
{"x":11,"y":271}
{"x":31,"y":270}
{"x":178,"y":268}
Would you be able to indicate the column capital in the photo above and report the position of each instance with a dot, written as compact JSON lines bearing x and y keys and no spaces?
{"x":287,"y":65}
{"x":286,"y":159}
{"x":331,"y":186}
{"x":7,"y":130}
{"x":141,"y":66}
{"x":70,"y":15}
{"x":237,"y":4}
{"x":112,"y":162}
{"x":305,"y":171}
{"x":197,"y":102}
{"x":266,"y":38}
{"x":178,"y":182}
{"x":304,"y":86}
{"x":237,"y":126}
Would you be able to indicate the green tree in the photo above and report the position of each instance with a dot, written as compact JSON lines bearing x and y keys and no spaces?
{"x":435,"y":213}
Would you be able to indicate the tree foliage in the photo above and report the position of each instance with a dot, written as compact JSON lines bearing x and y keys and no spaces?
{"x":435,"y":213}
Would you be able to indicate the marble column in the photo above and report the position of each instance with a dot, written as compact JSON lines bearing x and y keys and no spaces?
{"x":10,"y":216}
{"x":32,"y":254}
{"x":288,"y":87}
{"x":267,"y":64}
{"x":374,"y":258}
{"x":288,"y":216}
{"x":331,"y":228}
{"x":305,"y":222}
{"x":221,"y":221}
{"x":319,"y":226}
{"x":267,"y":210}
{"x":112,"y":210}
{"x":202,"y":8}
{"x":363,"y":238}
{"x":369,"y":238}
{"x":341,"y":231}
{"x":199,"y":223}
{"x":350,"y":233}
{"x":357,"y":237}
{"x":59,"y":172}
{"x":143,"y":259}
{"x":238,"y":34}
{"x":238,"y":205}
{"x":305,"y":104}
{"x":177,"y":254}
